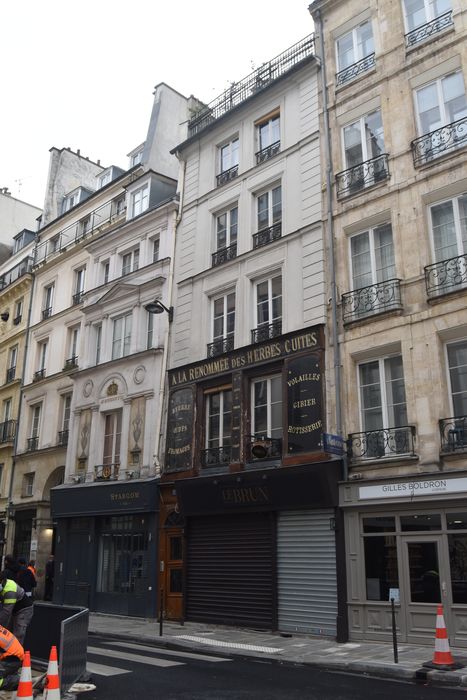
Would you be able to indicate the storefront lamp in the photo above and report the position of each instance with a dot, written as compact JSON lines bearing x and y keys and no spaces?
{"x":157,"y":307}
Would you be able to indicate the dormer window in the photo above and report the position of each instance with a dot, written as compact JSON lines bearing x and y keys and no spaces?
{"x":104,"y":179}
{"x":140,"y":200}
{"x":75,"y":197}
{"x":136,"y":155}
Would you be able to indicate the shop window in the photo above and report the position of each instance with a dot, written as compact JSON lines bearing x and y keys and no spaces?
{"x":123,"y":557}
{"x":381,"y":569}
{"x":424,"y":572}
{"x":420,"y":523}
{"x":458,"y":562}
{"x":379,"y":524}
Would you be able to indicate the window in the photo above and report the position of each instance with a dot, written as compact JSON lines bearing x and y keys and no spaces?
{"x":18,"y":242}
{"x":86,"y":225}
{"x":7,"y":428}
{"x":419,"y":12}
{"x":136,"y":158}
{"x":28,"y":485}
{"x":363,"y":139}
{"x":266,"y":401}
{"x":150,"y":333}
{"x":121,"y":339}
{"x":223,"y":324}
{"x":69,"y":201}
{"x":2,"y":469}
{"x":33,"y":440}
{"x":104,"y":179}
{"x":219,"y":419}
{"x":140,"y":200}
{"x":130,"y":261}
{"x":119,"y":206}
{"x":269,"y":138}
{"x":372,"y":254}
{"x":269,"y":208}
{"x":380,"y":546}
{"x":353,"y":47}
{"x":112,"y":436}
{"x":155,"y":250}
{"x":66,"y":412}
{"x":457,"y":361}
{"x":12,"y":359}
{"x":98,"y":341}
{"x":18,"y":312}
{"x":79,"y":285}
{"x":269,"y":306}
{"x":73,"y":340}
{"x":228,"y":161}
{"x":41,"y":359}
{"x":105,"y":271}
{"x":227,"y":228}
{"x":6,"y":410}
{"x":449,"y":228}
{"x":440,"y":103}
{"x":54,"y":244}
{"x":48,"y":301}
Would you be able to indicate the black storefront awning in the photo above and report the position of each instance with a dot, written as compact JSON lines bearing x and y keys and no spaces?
{"x":103,"y":499}
{"x":308,"y":486}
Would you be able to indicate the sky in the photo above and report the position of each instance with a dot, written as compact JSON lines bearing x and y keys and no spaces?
{"x":81,"y":75}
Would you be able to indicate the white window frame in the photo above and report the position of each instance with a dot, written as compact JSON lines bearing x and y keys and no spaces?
{"x":150,"y":332}
{"x":48,"y":297}
{"x":130,"y":261}
{"x":28,"y":484}
{"x":140,"y":200}
{"x":7,"y":406}
{"x":444,"y":118}
{"x":12,"y":357}
{"x":268,"y":379}
{"x":267,"y":130}
{"x":156,"y":250}
{"x":383,"y":389}
{"x":123,"y":342}
{"x":36,"y":420}
{"x":356,"y":46}
{"x":461,"y":247}
{"x":112,"y":420}
{"x":429,"y":15}
{"x":66,"y":412}
{"x":273,"y":218}
{"x":271,"y":319}
{"x":222,"y":439}
{"x":229,"y":155}
{"x":97,"y":342}
{"x":105,"y":271}
{"x":224,"y":297}
{"x":366,"y":155}
{"x":458,"y":341}
{"x":19,"y":303}
{"x":42,"y":352}
{"x":79,"y":281}
{"x":74,"y":341}
{"x":373,"y":267}
{"x":231,"y":228}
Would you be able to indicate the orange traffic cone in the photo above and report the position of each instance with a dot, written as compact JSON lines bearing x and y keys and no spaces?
{"x":25,"y":681}
{"x":52,"y":682}
{"x":442,"y":658}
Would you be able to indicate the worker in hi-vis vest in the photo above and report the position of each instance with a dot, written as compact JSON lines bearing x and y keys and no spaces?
{"x":11,"y":658}
{"x":16,"y":608}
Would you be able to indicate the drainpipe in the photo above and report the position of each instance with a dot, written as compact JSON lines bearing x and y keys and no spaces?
{"x":168,"y":336}
{"x":20,"y":405}
{"x":330,"y":231}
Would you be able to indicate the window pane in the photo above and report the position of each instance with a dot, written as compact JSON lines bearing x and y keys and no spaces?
{"x":428,"y":108}
{"x":458,"y":560}
{"x":454,"y":97}
{"x":381,"y":569}
{"x":424,"y":572}
{"x":379,"y":524}
{"x":444,"y":231}
{"x":415,"y":12}
{"x":384,"y":253}
{"x":361,"y":260}
{"x":353,"y":145}
{"x":410,"y":523}
{"x":365,"y":44}
{"x":374,"y":135}
{"x":457,"y":358}
{"x":175,"y":548}
{"x":263,"y":210}
{"x":457,"y":521}
{"x":345,"y":51}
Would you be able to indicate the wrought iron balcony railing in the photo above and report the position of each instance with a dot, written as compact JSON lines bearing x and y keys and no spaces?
{"x":32,"y":444}
{"x":220,"y":346}
{"x":427,"y":30}
{"x":77,"y":298}
{"x":446,"y":276}
{"x":40,"y":374}
{"x":356,"y":69}
{"x":10,"y":374}
{"x":216,"y":456}
{"x":253,"y":83}
{"x":71,"y":363}
{"x":453,"y":432}
{"x":63,"y":438}
{"x":371,"y":300}
{"x":46,"y":313}
{"x":440,"y":141}
{"x":267,"y":235}
{"x":378,"y":444}
{"x":266,"y":331}
{"x":106,"y":472}
{"x":268,"y":152}
{"x":17,"y":320}
{"x":359,"y":177}
{"x":263,"y":447}
{"x":20,"y":269}
{"x":227,"y":175}
{"x":224,"y":254}
{"x":7,"y":431}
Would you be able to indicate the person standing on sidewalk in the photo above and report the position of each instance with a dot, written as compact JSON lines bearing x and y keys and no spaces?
{"x":16,"y":608}
{"x":49,"y":577}
{"x":11,"y":657}
{"x":26,"y":578}
{"x":10,"y":567}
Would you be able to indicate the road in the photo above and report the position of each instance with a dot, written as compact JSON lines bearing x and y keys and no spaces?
{"x":128,"y":671}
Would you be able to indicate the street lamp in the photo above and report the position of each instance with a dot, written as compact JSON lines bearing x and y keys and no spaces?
{"x":157,"y":307}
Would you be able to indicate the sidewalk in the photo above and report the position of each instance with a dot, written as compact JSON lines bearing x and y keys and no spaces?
{"x":373,"y":659}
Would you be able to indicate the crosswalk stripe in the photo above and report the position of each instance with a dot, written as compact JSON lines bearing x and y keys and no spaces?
{"x":168,"y":652}
{"x":149,"y":661}
{"x":103,"y":670}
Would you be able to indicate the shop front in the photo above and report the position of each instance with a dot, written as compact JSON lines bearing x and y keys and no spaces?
{"x":406,"y":539}
{"x":106,"y":546}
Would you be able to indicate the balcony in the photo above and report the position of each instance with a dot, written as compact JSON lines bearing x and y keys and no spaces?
{"x":227,"y":175}
{"x":106,"y":472}
{"x":10,"y":374}
{"x":63,"y":438}
{"x":46,"y":313}
{"x":215,"y":457}
{"x":356,"y":69}
{"x":17,"y":320}
{"x":223,"y":255}
{"x":255,"y":82}
{"x":22,"y":268}
{"x":266,"y":331}
{"x":40,"y":374}
{"x":384,"y":443}
{"x":263,"y":447}
{"x":267,"y":235}
{"x":426,"y":31}
{"x":268,"y":152}
{"x":7,"y":431}
{"x":32,"y":444}
{"x":453,"y":432}
{"x":71,"y":363}
{"x":439,"y":142}
{"x":446,"y":276}
{"x":77,"y":298}
{"x":359,"y":177}
{"x":372,"y":300}
{"x":220,"y":346}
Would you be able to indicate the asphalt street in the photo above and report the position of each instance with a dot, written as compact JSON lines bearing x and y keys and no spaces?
{"x":126,"y":671}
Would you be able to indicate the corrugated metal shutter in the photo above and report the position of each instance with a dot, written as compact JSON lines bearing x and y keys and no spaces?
{"x":230,"y":570}
{"x":306,"y":564}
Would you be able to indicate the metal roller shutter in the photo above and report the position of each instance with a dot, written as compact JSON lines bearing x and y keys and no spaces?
{"x":230,"y":570}
{"x":306,"y":564}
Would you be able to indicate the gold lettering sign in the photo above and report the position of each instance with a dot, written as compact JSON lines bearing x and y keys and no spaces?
{"x":245,"y":495}
{"x":124,"y":496}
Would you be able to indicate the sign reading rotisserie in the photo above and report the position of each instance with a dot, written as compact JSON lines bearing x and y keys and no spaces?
{"x":304,"y":409}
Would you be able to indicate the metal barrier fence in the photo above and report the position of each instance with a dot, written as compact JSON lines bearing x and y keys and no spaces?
{"x":73,"y":648}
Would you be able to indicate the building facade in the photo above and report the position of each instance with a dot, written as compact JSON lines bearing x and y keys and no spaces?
{"x":249,"y":529}
{"x":394,"y":98}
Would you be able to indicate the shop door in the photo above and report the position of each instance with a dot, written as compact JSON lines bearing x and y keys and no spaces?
{"x":171,"y":578}
{"x":426,"y":584}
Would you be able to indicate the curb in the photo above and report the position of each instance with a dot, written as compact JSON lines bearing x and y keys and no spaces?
{"x":361,"y":668}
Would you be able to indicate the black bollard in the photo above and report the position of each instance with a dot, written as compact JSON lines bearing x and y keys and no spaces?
{"x":394,"y":633}
{"x":161,"y":612}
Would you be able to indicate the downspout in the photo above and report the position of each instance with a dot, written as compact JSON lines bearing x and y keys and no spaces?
{"x":177,"y":215}
{"x":20,"y":405}
{"x":330,"y":230}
